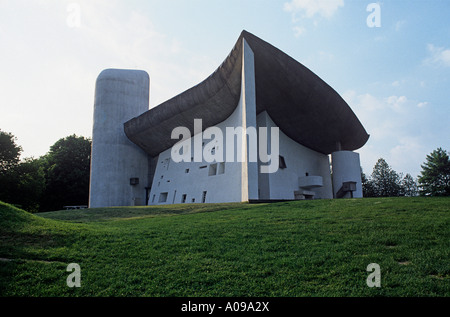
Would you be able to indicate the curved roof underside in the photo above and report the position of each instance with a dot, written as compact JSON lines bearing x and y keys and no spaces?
{"x":301,"y":104}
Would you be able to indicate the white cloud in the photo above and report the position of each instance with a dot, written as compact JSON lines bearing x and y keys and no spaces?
{"x":399,"y":25}
{"x":438,"y":56}
{"x":325,"y":56}
{"x":394,"y":134}
{"x":397,"y":103}
{"x":298,"y":31}
{"x":407,"y":156}
{"x":422,"y":104}
{"x":311,"y":8}
{"x":349,"y":96}
{"x":370,"y":103}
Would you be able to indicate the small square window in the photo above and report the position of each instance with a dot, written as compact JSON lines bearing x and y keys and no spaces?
{"x":163,"y":197}
{"x":212,"y":170}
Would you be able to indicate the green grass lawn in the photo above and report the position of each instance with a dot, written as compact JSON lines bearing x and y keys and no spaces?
{"x":291,"y":249}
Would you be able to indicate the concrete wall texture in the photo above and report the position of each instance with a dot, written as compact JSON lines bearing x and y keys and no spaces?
{"x":120,"y":95}
{"x":346,"y":168}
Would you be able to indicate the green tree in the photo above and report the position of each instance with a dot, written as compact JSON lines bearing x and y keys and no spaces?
{"x":435,"y":175}
{"x":26,"y":184}
{"x":385,"y":180}
{"x":9,"y":151}
{"x":21,"y":183}
{"x":67,"y":169}
{"x":9,"y":159}
{"x":409,"y":186}
{"x":367,"y":186}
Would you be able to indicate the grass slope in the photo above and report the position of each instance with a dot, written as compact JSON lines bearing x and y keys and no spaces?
{"x":302,"y":248}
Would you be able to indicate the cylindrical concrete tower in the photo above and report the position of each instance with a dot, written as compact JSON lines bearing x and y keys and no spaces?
{"x":346,"y":174}
{"x":119,"y":168}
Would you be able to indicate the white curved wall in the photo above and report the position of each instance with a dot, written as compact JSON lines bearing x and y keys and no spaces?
{"x":346,"y":168}
{"x":173,"y":181}
{"x":299,"y":160}
{"x":120,"y":95}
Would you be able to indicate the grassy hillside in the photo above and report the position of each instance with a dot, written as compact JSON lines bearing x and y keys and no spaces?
{"x":303,"y":248}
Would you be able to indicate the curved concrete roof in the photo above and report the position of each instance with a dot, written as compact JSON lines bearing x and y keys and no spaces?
{"x":305,"y":108}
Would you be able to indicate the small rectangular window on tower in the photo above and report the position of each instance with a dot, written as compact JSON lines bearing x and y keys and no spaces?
{"x":222,"y":168}
{"x":204,"y":197}
{"x":212,"y":169}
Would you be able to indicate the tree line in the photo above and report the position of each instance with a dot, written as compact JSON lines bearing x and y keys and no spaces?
{"x":434,"y":179}
{"x":50,"y":182}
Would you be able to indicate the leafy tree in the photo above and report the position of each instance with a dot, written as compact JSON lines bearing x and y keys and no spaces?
{"x":26,"y":184}
{"x":21,"y":183}
{"x":9,"y":151}
{"x":367,"y":186}
{"x":9,"y":159}
{"x":435,"y":175}
{"x":67,"y":169}
{"x":385,"y":180}
{"x":409,"y":186}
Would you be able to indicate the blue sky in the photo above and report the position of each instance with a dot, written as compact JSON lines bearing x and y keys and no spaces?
{"x":395,"y":77}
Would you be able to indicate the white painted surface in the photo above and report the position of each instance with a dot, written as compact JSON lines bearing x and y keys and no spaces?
{"x":299,"y":161}
{"x":310,"y":182}
{"x":194,"y":178}
{"x":346,"y":168}
{"x":120,"y":95}
{"x":248,"y":96}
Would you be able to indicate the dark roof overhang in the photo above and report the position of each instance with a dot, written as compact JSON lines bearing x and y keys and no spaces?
{"x":301,"y":104}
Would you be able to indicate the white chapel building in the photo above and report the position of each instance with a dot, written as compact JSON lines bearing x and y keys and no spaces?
{"x":262,"y":127}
